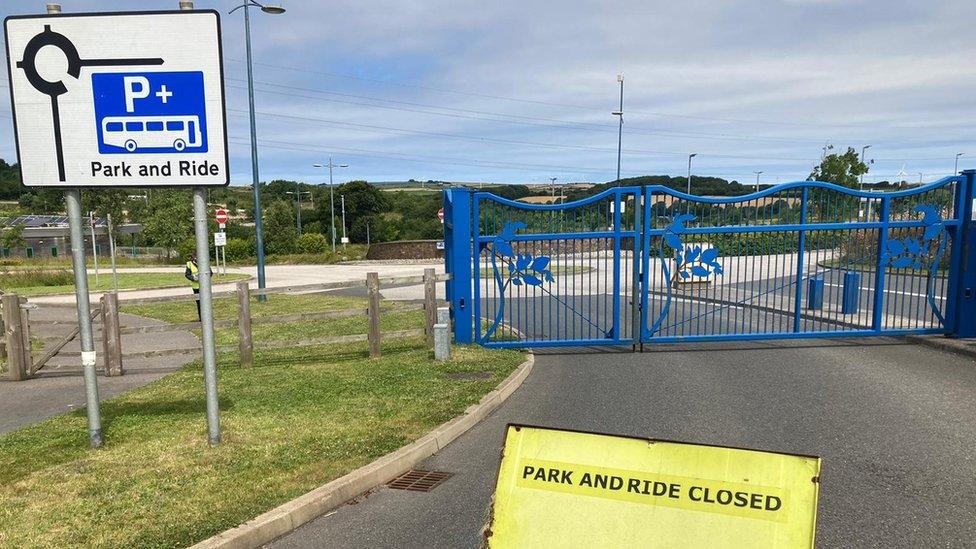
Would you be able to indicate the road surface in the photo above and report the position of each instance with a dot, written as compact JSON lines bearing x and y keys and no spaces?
{"x":894,"y":423}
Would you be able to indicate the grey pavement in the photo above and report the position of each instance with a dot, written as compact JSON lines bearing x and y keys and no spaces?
{"x":59,"y":386}
{"x":894,"y":423}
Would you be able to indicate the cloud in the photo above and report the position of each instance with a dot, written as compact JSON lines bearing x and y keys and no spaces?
{"x":529,"y":86}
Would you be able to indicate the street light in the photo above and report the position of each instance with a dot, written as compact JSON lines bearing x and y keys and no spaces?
{"x":298,"y":194}
{"x":331,"y":165}
{"x":342,"y":198}
{"x":955,"y":170}
{"x":757,"y":180}
{"x":552,"y":186}
{"x":690,"y":156}
{"x":255,"y":179}
{"x":620,"y":129}
{"x":863,"y":150}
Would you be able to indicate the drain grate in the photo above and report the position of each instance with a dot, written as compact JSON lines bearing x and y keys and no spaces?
{"x":419,"y":481}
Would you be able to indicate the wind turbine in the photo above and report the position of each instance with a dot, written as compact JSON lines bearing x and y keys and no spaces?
{"x":903,"y":175}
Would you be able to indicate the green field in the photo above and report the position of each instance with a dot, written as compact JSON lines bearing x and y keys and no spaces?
{"x":297,"y":419}
{"x":28,"y":283}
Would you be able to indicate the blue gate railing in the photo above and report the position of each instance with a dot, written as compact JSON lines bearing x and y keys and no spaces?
{"x":804,"y":259}
{"x":636,"y":265}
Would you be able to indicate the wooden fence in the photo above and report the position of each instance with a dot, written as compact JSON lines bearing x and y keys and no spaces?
{"x":114,"y":355}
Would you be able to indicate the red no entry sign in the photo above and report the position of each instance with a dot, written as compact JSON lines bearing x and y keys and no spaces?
{"x":221,"y":216}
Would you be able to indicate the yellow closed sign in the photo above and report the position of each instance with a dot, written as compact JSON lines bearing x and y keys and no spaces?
{"x":560,"y":488}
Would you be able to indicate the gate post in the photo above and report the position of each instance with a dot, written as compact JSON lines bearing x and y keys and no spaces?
{"x":457,"y":259}
{"x":964,"y":298}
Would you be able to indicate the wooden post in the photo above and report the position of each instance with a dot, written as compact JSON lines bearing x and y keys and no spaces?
{"x":14,"y":335}
{"x":245,"y":343}
{"x":373,"y":291}
{"x":111,"y":334}
{"x":25,"y":330}
{"x":430,"y":305}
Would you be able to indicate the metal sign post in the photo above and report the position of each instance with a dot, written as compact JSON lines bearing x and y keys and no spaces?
{"x":143,"y":106}
{"x":72,"y":200}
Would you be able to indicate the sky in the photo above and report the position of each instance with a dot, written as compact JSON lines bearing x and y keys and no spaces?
{"x":521,"y":92}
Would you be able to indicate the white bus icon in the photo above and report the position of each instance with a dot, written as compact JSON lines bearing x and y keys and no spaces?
{"x":151,"y":132}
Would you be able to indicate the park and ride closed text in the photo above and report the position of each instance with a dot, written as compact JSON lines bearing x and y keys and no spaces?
{"x":559,"y":488}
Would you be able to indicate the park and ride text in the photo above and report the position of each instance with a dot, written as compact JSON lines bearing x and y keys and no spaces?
{"x":182,"y":168}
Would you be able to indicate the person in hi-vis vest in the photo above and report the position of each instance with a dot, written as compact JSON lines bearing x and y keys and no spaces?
{"x":192,"y":273}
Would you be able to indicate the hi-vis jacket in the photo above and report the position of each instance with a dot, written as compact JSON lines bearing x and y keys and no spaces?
{"x":192,"y":274}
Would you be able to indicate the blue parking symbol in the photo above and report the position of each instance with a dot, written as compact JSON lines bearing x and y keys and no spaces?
{"x":150,"y":112}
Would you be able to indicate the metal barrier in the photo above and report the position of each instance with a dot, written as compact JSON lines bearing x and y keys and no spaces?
{"x":639,"y":265}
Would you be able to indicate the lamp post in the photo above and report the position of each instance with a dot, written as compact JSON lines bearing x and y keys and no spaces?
{"x":757,"y":180}
{"x":620,"y":128}
{"x":690,"y":156}
{"x":955,"y":169}
{"x":342,"y":199}
{"x":552,"y":186}
{"x":864,"y":149}
{"x":298,"y":194}
{"x":331,"y":165}
{"x":255,"y":180}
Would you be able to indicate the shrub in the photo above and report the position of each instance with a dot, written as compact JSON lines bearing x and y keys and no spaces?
{"x":186,"y":248}
{"x":311,"y":243}
{"x":33,"y":278}
{"x":239,"y":249}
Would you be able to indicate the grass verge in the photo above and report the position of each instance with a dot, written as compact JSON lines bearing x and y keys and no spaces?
{"x":20,"y":283}
{"x":296,"y":420}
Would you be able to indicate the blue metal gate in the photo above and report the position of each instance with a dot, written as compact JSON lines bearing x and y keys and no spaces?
{"x":642,"y":265}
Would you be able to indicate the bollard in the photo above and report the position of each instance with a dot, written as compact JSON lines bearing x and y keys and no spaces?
{"x":815,"y":293}
{"x":444,"y":315}
{"x":442,"y":342}
{"x":852,"y":293}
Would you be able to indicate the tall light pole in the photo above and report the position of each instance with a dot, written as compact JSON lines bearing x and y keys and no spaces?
{"x":920,"y":178}
{"x":331,"y":165}
{"x":342,"y":198}
{"x":757,"y":180}
{"x":864,"y":149}
{"x":255,"y":179}
{"x":690,"y":156}
{"x":955,"y":170}
{"x":298,"y":194}
{"x":552,"y":186}
{"x":620,"y":128}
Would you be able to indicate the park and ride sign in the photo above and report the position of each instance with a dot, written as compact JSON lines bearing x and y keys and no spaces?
{"x":560,"y":488}
{"x":118,"y":99}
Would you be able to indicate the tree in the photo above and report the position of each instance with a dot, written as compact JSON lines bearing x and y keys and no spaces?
{"x":363,"y":201}
{"x":170,"y":218}
{"x":279,"y":227}
{"x":13,"y":237}
{"x":10,"y":187}
{"x":106,"y":201}
{"x":840,"y":169}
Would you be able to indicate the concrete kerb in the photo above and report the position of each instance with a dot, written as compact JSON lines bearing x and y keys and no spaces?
{"x":285,"y":518}
{"x":965,"y":347}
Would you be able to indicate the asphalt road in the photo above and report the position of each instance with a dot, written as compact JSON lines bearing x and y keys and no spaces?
{"x":894,"y":423}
